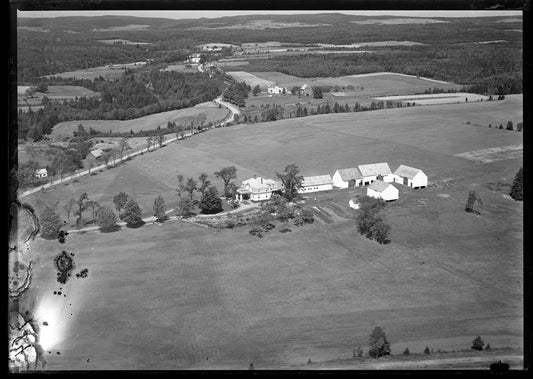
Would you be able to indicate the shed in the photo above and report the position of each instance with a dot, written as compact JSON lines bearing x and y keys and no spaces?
{"x":411,"y":177}
{"x":347,"y":177}
{"x":381,"y":190}
{"x":316,"y":184}
{"x":94,"y":155}
{"x":376,"y":171}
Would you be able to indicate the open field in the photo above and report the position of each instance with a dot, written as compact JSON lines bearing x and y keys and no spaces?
{"x":151,"y":122}
{"x":249,"y":78}
{"x":436,"y":98}
{"x":91,"y":73}
{"x":398,"y":21}
{"x":181,"y":68}
{"x":53,"y":93}
{"x":124,"y":41}
{"x":180,"y":296}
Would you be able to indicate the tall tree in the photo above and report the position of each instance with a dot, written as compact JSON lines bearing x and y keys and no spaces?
{"x":257,"y":90}
{"x":317,"y":93}
{"x":509,"y":125}
{"x":292,"y":181}
{"x":227,"y":174}
{"x":473,"y":198}
{"x":181,"y":185}
{"x":159,"y":209}
{"x":132,"y":213}
{"x":120,"y":201}
{"x":68,"y":207}
{"x":204,"y":183}
{"x":211,"y":202}
{"x":82,"y":206}
{"x":190,"y":187}
{"x":122,"y":145}
{"x":149,"y":141}
{"x":94,"y":205}
{"x":50,"y":223}
{"x":379,"y":346}
{"x":517,"y":189}
{"x":477,"y":343}
{"x":106,"y":219}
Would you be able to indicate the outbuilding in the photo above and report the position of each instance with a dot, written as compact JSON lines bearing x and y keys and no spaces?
{"x":411,"y":177}
{"x":276,"y":90}
{"x":41,"y":173}
{"x":353,"y":204}
{"x":347,"y":177}
{"x":376,"y":171}
{"x":316,"y":184}
{"x":381,"y":190}
{"x":305,"y":90}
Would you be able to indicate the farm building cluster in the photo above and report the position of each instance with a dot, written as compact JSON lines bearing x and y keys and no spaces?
{"x":377,"y":176}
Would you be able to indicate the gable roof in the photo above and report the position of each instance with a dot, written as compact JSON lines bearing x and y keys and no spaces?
{"x":350,"y":174}
{"x":96,"y":153}
{"x":316,"y":180}
{"x":407,"y":172}
{"x":379,"y":186}
{"x":374,"y":169}
{"x":259,"y":184}
{"x":41,"y":171}
{"x":305,"y":86}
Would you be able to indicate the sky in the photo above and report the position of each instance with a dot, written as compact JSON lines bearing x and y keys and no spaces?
{"x":215,"y":14}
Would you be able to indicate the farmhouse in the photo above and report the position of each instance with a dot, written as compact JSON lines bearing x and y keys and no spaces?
{"x":411,"y":177}
{"x":94,"y":155}
{"x":276,"y":90}
{"x":305,"y":90}
{"x":316,"y":183}
{"x":194,"y":58}
{"x":381,"y":190}
{"x":347,"y":177}
{"x":257,"y":189}
{"x":41,"y":173}
{"x":376,"y":171}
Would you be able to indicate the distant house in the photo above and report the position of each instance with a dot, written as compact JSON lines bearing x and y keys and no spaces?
{"x":305,"y":90}
{"x":411,"y":177}
{"x":347,"y":177}
{"x":257,"y":189}
{"x":276,"y":90}
{"x":41,"y":173}
{"x":381,"y":190}
{"x":95,"y":155}
{"x":316,"y":183}
{"x":376,"y":171}
{"x":194,"y":58}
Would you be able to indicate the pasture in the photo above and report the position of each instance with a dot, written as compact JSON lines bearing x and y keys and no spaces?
{"x":151,"y":122}
{"x":249,"y":78}
{"x":94,"y":72}
{"x":180,"y":296}
{"x":435,"y":98}
{"x":53,"y":93}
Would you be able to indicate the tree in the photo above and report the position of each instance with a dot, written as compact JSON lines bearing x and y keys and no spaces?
{"x":473,"y":198}
{"x":487,"y":347}
{"x":190,"y":187}
{"x":427,"y":351}
{"x":132,"y":213}
{"x":509,"y":125}
{"x":406,"y":351}
{"x":120,"y":201}
{"x":211,"y":202}
{"x":369,"y":222}
{"x":204,"y":183}
{"x":42,"y":87}
{"x":94,"y":205}
{"x":50,"y":223}
{"x":106,"y":219}
{"x":291,"y":180}
{"x":317,"y":93}
{"x":185,"y":206}
{"x":227,"y":174}
{"x":519,"y":127}
{"x":149,"y":141}
{"x":68,"y":207}
{"x":257,"y":90}
{"x":517,"y":189}
{"x":477,"y":344}
{"x":500,"y":127}
{"x":181,"y":185}
{"x":82,"y":205}
{"x":122,"y":145}
{"x":159,"y":209}
{"x":160,"y":139}
{"x":379,"y":346}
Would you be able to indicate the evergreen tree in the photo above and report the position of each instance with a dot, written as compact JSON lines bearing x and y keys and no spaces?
{"x":50,"y":223}
{"x":509,"y":125}
{"x":517,"y":189}
{"x":132,"y":213}
{"x":477,"y":344}
{"x":211,"y":203}
{"x":106,"y":219}
{"x":379,"y":346}
{"x":159,"y":209}
{"x":427,"y":351}
{"x":406,"y":351}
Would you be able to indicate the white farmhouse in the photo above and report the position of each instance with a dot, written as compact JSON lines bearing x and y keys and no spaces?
{"x":276,"y":90}
{"x":376,"y":171}
{"x":347,"y":177}
{"x":41,"y":173}
{"x":381,"y":190}
{"x":257,"y":189}
{"x":316,"y":184}
{"x":411,"y":177}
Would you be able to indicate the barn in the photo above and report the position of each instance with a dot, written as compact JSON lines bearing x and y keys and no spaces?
{"x":95,"y":155}
{"x":353,"y":203}
{"x":376,"y":171}
{"x":305,"y":90}
{"x":347,"y":177}
{"x":316,"y":184}
{"x":381,"y":190}
{"x":411,"y":177}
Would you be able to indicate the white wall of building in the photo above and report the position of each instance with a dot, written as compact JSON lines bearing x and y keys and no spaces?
{"x":338,"y":182}
{"x":390,"y":193}
{"x":315,"y":188}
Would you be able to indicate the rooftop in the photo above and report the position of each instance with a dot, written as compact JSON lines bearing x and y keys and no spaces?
{"x":316,"y":180}
{"x":407,"y":172}
{"x":350,"y":174}
{"x":375,"y":169}
{"x":379,"y":186}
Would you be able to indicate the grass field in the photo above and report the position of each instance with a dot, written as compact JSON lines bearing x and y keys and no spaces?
{"x":179,"y":296}
{"x":436,"y":98}
{"x":251,"y":79}
{"x":91,"y":73}
{"x":151,"y":122}
{"x":53,"y":93}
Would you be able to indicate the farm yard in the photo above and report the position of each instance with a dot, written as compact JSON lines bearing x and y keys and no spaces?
{"x":180,"y":117}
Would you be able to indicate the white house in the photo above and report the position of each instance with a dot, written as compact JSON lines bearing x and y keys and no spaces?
{"x":316,"y":183}
{"x":194,"y":58}
{"x":381,"y":190}
{"x":376,"y":171}
{"x":276,"y":90}
{"x":353,"y":204}
{"x":411,"y":177}
{"x":347,"y":177}
{"x":41,"y":173}
{"x":257,"y":189}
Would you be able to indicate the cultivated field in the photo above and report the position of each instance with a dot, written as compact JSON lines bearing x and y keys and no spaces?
{"x":435,"y":98}
{"x":151,"y":122}
{"x":180,"y":296}
{"x":53,"y":93}
{"x":251,"y":79}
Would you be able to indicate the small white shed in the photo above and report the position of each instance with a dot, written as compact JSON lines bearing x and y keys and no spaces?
{"x":411,"y":177}
{"x":382,"y":190}
{"x":353,"y":204}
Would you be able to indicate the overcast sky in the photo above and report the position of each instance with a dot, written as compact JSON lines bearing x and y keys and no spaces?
{"x":215,"y":14}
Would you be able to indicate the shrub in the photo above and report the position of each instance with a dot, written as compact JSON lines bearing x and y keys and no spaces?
{"x":159,"y":209}
{"x":477,"y":344}
{"x":210,"y":202}
{"x":487,"y":347}
{"x":406,"y":351}
{"x":50,"y":223}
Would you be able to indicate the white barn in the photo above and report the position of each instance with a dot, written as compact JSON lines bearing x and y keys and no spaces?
{"x":276,"y":90}
{"x":316,"y":183}
{"x":381,"y":190}
{"x":347,"y":177}
{"x":411,"y":177}
{"x":376,"y":171}
{"x":41,"y":173}
{"x":257,"y":189}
